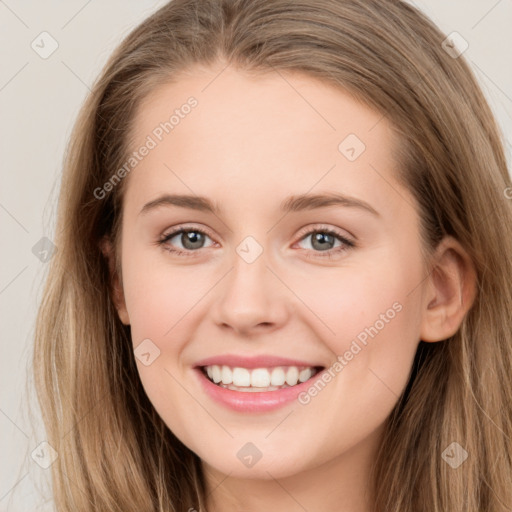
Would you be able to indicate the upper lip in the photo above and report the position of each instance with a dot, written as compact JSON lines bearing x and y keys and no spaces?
{"x":261,"y":361}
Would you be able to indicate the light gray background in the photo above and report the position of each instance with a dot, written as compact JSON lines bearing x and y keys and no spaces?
{"x":39,"y":101}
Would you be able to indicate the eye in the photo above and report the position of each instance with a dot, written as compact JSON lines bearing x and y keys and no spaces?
{"x":190,"y":239}
{"x":323,"y":242}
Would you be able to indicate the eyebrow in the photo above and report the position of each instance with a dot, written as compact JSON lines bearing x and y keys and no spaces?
{"x":293,"y":203}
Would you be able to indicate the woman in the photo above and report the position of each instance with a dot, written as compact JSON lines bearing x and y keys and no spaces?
{"x":236,"y":367}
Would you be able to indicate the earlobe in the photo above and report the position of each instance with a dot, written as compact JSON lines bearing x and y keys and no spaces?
{"x":116,"y":287}
{"x":451,"y":291}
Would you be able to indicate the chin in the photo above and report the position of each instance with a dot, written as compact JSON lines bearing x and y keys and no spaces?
{"x":266,"y":468}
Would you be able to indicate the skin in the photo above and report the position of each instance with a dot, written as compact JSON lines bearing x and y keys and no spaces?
{"x":250,"y":143}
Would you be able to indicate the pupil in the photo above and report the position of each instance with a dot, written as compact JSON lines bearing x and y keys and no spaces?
{"x":322,"y":239}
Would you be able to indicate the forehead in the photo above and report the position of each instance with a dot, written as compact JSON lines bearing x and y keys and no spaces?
{"x":274,"y":99}
{"x":259,"y":131}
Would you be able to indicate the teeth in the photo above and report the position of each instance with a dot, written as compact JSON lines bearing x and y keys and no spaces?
{"x":277,"y":377}
{"x":216,"y":376}
{"x":241,"y":377}
{"x":258,"y":378}
{"x":305,"y":374}
{"x":227,"y":375}
{"x":292,"y":376}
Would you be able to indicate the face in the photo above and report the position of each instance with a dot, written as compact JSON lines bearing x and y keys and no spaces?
{"x":292,"y":272}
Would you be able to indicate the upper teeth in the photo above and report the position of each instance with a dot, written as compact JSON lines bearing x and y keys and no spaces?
{"x":259,"y":377}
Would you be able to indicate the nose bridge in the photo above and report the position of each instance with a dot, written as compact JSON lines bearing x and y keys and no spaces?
{"x":250,"y":295}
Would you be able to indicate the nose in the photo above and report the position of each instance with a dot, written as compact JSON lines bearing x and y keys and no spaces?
{"x":251,"y":299}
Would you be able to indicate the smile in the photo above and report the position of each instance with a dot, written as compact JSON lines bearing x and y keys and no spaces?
{"x":258,"y":379}
{"x":256,"y":384}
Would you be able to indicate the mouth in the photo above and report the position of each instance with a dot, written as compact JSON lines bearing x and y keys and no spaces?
{"x":265,"y":379}
{"x":255,"y":384}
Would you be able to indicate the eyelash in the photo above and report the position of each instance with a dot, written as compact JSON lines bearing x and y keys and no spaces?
{"x":347,"y":244}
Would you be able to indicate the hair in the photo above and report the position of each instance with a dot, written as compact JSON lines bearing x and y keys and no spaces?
{"x":115,"y":452}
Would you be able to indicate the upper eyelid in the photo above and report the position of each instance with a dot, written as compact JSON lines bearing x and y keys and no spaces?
{"x":179,"y":229}
{"x":323,"y":227}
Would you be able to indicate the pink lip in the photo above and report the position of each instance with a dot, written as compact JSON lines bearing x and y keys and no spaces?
{"x":252,"y":362}
{"x":242,"y":401}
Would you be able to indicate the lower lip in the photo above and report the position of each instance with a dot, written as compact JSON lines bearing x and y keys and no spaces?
{"x":252,"y":401}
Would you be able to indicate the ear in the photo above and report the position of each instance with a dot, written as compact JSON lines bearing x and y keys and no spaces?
{"x":451,"y":290}
{"x":116,"y":286}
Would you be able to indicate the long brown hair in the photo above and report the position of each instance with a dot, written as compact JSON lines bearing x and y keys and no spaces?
{"x":115,"y":452}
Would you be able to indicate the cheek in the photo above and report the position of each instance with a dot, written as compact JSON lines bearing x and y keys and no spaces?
{"x":158,"y":295}
{"x":376,"y":323}
{"x":373,"y":314}
{"x":372,"y":299}
{"x":160,"y":301}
